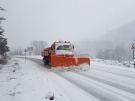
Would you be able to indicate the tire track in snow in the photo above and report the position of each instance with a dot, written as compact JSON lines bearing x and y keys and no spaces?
{"x":112,"y":93}
{"x":114,"y":72}
{"x":114,"y":79}
{"x":85,"y":88}
{"x":108,"y":82}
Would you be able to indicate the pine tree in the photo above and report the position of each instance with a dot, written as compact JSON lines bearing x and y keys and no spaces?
{"x":3,"y":41}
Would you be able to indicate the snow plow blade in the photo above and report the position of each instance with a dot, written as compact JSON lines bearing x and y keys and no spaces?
{"x":60,"y":61}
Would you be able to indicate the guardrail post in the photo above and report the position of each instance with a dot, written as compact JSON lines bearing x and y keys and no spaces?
{"x":133,"y":47}
{"x":25,"y":55}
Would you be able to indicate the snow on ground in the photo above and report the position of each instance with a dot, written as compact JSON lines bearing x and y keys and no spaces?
{"x":28,"y":81}
{"x":72,"y":91}
{"x":21,"y":81}
{"x":108,"y":79}
{"x":111,"y":62}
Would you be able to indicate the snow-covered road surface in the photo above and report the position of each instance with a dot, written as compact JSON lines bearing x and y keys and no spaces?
{"x":105,"y":83}
{"x":100,"y":83}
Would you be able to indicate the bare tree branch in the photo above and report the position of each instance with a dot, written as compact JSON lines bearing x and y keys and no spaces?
{"x":38,"y":46}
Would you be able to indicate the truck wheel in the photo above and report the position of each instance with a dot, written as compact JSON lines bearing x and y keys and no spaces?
{"x":45,"y":61}
{"x":49,"y":61}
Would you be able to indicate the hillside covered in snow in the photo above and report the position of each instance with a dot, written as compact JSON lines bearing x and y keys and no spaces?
{"x":122,"y":37}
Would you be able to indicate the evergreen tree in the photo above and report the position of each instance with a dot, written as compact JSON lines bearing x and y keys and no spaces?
{"x":3,"y":41}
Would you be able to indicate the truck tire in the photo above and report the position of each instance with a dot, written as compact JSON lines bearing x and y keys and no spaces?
{"x":47,"y":61}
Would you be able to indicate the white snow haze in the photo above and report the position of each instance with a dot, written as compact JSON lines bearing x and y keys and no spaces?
{"x":74,"y":20}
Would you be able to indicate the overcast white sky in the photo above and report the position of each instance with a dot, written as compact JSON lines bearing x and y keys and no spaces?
{"x":74,"y":20}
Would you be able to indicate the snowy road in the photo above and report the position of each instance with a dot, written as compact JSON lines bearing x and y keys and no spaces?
{"x":104,"y":83}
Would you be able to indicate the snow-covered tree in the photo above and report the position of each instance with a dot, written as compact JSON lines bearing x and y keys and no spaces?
{"x":3,"y":41}
{"x":38,"y":46}
{"x":17,"y":51}
{"x":117,"y":53}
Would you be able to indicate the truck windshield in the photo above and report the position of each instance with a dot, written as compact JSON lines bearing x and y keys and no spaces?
{"x":64,"y":47}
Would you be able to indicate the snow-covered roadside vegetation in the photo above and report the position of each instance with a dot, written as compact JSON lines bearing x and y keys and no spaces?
{"x":3,"y":59}
{"x":25,"y":82}
{"x":113,"y":62}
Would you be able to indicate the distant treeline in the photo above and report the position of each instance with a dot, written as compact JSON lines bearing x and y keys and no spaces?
{"x":37,"y":46}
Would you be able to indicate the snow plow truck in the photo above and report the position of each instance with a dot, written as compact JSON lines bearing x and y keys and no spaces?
{"x":61,"y":54}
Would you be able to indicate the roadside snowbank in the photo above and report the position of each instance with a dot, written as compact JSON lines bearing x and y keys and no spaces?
{"x":26,"y":82}
{"x":111,"y":62}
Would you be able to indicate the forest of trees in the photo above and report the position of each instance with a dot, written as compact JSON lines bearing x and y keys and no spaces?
{"x":104,"y":49}
{"x":117,"y":53}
